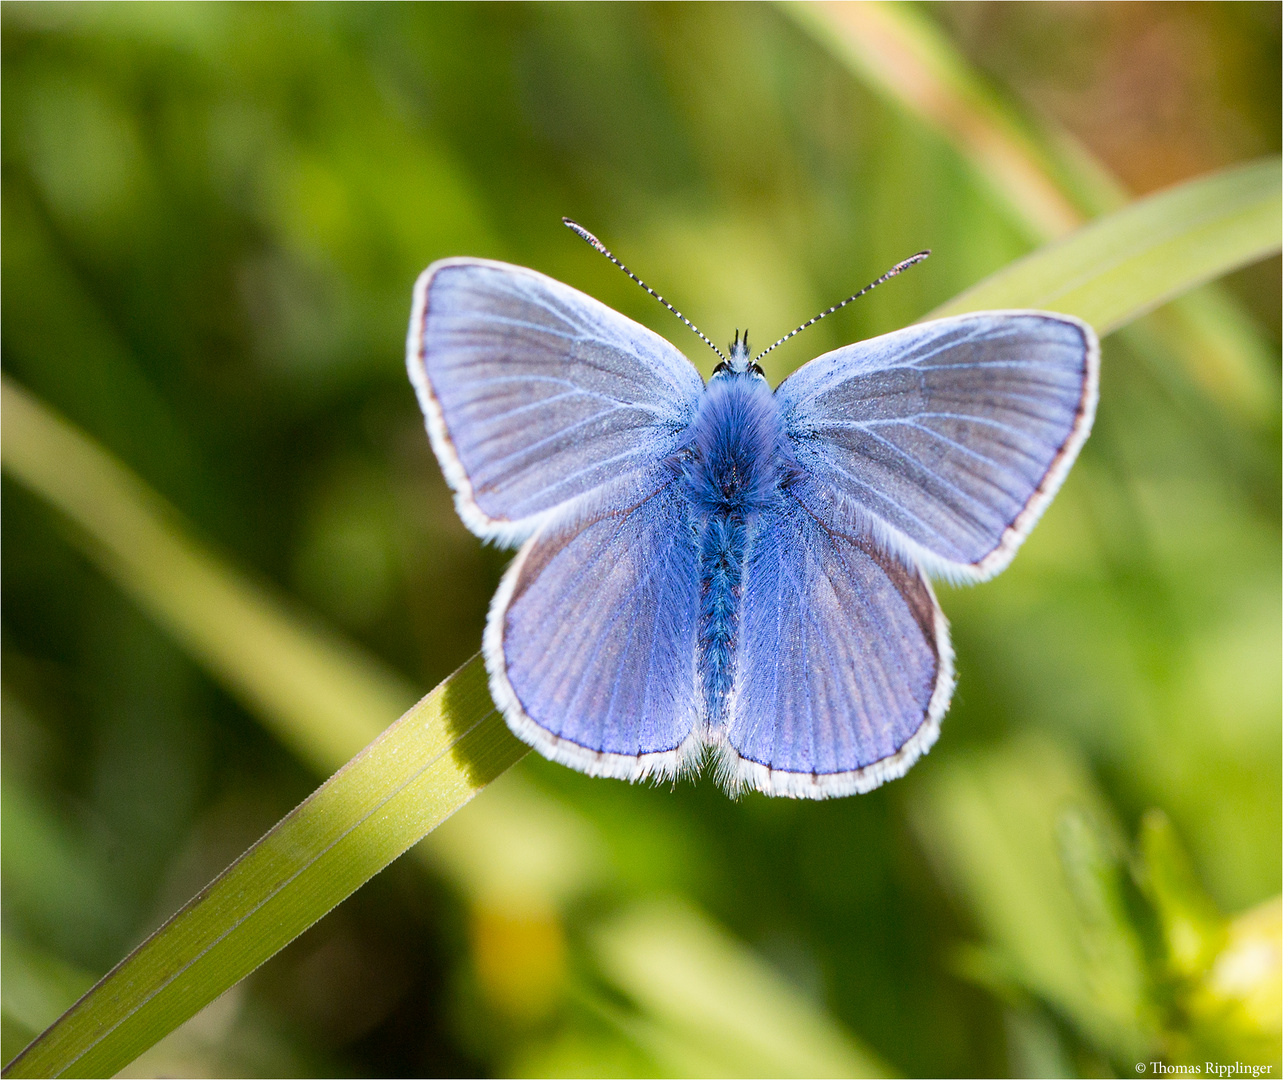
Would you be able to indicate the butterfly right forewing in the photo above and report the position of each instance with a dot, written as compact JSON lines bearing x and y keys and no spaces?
{"x":946,"y":440}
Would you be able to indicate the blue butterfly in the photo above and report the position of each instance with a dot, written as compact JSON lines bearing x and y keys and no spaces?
{"x":719,"y":567}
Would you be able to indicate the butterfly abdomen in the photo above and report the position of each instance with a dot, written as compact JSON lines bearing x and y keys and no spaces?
{"x":730,"y":475}
{"x":721,"y":571}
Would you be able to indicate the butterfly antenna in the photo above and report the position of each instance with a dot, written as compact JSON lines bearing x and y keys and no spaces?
{"x":574,"y":226}
{"x":898,"y":268}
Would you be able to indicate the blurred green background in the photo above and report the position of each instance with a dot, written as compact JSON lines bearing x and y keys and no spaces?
{"x":212,"y":219}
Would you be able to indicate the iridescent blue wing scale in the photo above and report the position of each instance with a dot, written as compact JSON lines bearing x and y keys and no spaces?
{"x":844,"y":664}
{"x":590,"y":642}
{"x":945,"y":441}
{"x":539,"y":399}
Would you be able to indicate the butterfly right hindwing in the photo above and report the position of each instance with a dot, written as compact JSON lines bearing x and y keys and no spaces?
{"x":844,"y":667}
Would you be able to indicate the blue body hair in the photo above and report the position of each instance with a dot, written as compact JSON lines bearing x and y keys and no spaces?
{"x":735,"y":464}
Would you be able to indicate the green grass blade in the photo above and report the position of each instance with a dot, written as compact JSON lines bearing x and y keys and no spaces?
{"x":1132,"y":261}
{"x":415,"y":775}
{"x":135,"y":539}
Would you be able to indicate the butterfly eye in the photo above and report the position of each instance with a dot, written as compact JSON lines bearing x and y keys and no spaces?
{"x":723,"y":366}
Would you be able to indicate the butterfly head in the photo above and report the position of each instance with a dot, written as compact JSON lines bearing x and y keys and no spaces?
{"x":740,"y":361}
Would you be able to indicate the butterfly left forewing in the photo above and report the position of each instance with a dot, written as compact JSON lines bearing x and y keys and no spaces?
{"x":844,"y":667}
{"x":538,"y":398}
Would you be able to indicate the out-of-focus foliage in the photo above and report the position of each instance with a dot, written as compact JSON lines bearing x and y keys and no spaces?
{"x":326,"y":700}
{"x":1126,"y":947}
{"x":212,"y":216}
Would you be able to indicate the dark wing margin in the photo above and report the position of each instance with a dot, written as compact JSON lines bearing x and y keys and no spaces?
{"x":946,"y":441}
{"x":590,"y":643}
{"x":538,"y":397}
{"x":844,"y":667}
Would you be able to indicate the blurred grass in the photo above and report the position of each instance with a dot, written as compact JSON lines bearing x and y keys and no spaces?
{"x":212,"y":216}
{"x":1127,"y":950}
{"x":1050,"y":183}
{"x":689,"y":974}
{"x":384,"y":801}
{"x":994,"y":825}
{"x":322,"y":697}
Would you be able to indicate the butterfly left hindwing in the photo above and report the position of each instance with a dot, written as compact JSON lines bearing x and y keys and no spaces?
{"x":591,"y":641}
